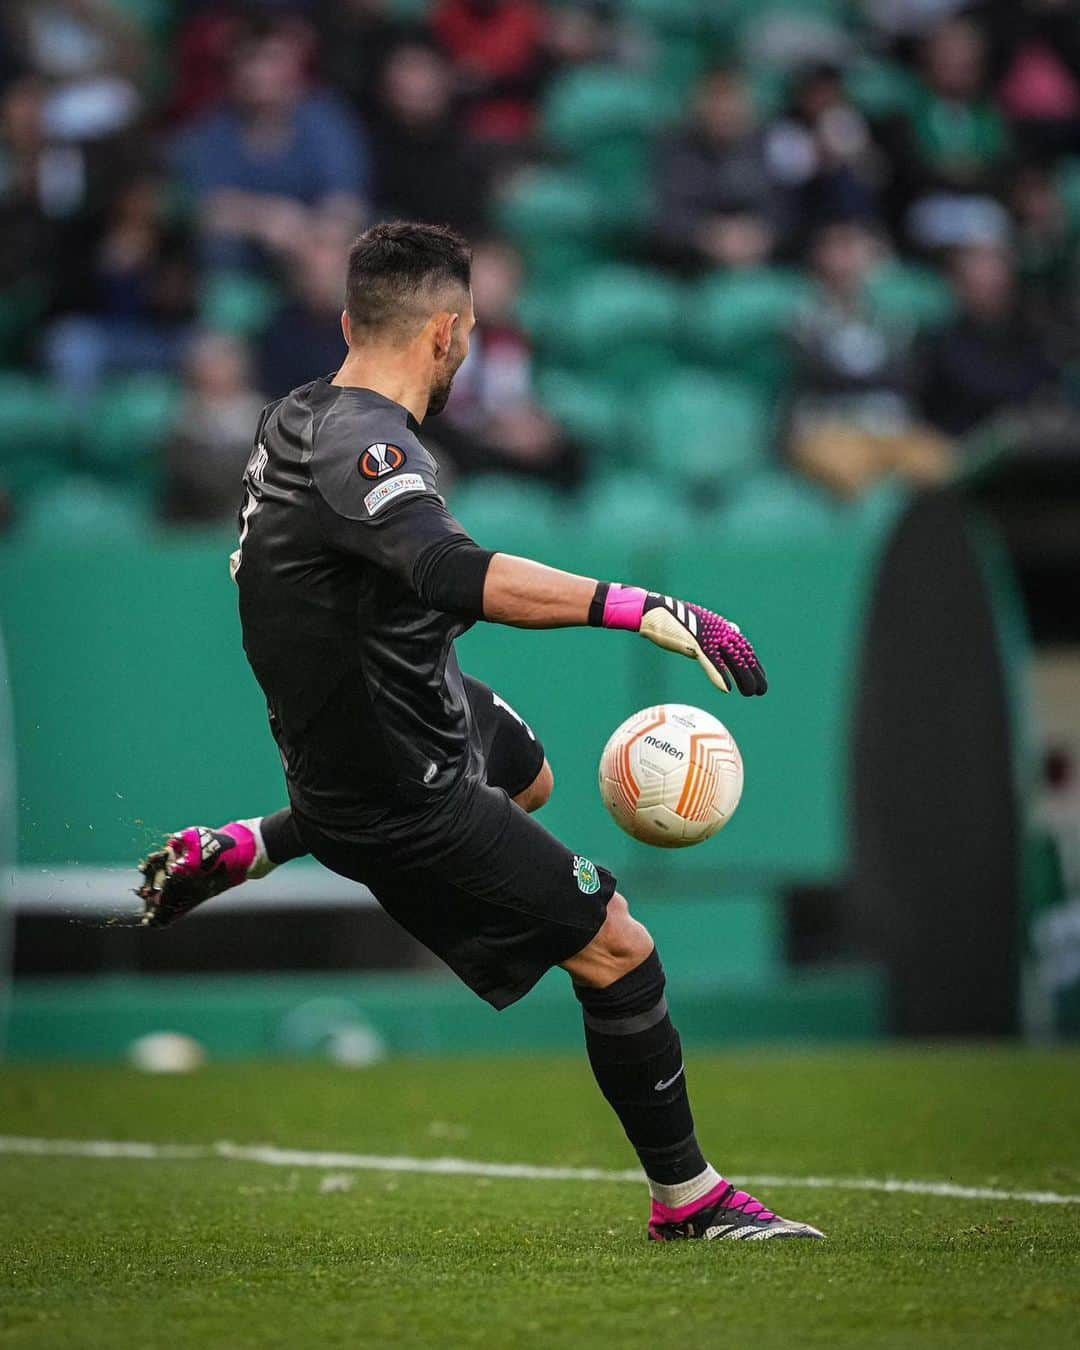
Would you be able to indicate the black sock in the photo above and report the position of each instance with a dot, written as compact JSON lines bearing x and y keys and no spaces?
{"x":281,"y":838}
{"x":635,"y":1054}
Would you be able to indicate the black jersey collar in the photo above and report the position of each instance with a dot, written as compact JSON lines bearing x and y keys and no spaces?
{"x":370,"y":396}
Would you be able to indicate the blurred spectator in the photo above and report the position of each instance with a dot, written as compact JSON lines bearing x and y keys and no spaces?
{"x":990,"y":358}
{"x":593,"y":30}
{"x":821,"y":150}
{"x":493,"y":423}
{"x":854,"y":417}
{"x":203,"y":48}
{"x":128,"y":301}
{"x":423,"y":168}
{"x":358,"y":39}
{"x":949,"y":156}
{"x":498,"y":50}
{"x":40,"y":185}
{"x":1047,"y":254}
{"x":718,"y":203}
{"x":273,"y":156}
{"x":304,"y":339}
{"x":1040,"y":85}
{"x":205,"y":458}
{"x":91,"y":56}
{"x":902,"y":18}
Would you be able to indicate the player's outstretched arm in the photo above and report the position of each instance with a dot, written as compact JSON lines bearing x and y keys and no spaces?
{"x":527,"y":594}
{"x":402,"y":525}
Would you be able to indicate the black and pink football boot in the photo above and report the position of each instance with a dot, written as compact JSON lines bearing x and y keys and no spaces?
{"x":196,"y":864}
{"x":724,"y":1213}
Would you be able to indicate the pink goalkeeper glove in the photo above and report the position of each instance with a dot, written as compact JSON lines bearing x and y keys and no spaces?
{"x":716,"y":643}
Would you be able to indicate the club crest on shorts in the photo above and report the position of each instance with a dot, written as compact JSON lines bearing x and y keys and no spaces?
{"x":380,"y":459}
{"x":586,"y":875}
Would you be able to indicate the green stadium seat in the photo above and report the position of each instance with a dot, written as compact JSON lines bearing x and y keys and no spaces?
{"x":558,"y":220}
{"x":667,"y":16}
{"x":233,"y":302}
{"x":645,"y":505}
{"x":487,"y":506}
{"x":594,"y":102}
{"x":81,"y":507}
{"x":621,"y":323}
{"x":740,"y":14}
{"x":740,"y":322}
{"x":777,"y":504}
{"x":781,"y":36}
{"x":129,"y":423}
{"x":679,"y":38}
{"x":23,"y":475}
{"x":905,"y":293}
{"x":703,"y":430}
{"x":21,"y":307}
{"x":881,"y":89}
{"x":37,"y":420}
{"x":541,"y":311}
{"x":607,"y":119}
{"x":592,"y":413}
{"x":1069,"y":183}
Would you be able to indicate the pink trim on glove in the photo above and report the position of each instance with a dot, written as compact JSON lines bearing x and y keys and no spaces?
{"x":624,"y":607}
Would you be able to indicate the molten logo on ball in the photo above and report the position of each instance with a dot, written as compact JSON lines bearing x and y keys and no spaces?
{"x":671,"y":775}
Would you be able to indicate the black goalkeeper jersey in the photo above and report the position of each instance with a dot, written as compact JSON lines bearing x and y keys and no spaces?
{"x":342,"y":533}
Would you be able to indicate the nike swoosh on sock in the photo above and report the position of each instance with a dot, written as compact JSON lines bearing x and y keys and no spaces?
{"x":667,"y":1082}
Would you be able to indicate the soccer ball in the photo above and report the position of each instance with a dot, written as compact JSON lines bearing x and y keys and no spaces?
{"x":671,"y":776}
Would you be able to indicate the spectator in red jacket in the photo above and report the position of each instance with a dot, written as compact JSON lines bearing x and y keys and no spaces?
{"x":498,"y":49}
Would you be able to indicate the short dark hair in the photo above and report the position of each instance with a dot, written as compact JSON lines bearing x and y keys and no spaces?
{"x":397,"y":272}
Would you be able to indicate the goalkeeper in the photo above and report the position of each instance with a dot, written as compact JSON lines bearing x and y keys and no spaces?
{"x":354,"y":582}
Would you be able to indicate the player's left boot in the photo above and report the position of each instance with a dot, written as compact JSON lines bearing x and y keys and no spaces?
{"x":724,"y":1213}
{"x":196,"y":864}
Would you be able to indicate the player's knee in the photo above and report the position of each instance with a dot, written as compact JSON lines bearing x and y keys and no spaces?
{"x":628,"y":941}
{"x":620,"y":947}
{"x":539,"y":791}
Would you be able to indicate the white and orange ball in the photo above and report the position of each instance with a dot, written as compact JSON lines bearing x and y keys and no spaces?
{"x":671,"y":776}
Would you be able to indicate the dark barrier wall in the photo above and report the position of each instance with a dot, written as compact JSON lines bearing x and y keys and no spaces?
{"x":936,"y":804}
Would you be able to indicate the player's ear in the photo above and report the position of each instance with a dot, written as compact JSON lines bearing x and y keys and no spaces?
{"x":443,"y":334}
{"x":346,"y":328}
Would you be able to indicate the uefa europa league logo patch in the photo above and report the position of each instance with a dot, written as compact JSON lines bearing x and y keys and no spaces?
{"x":380,"y":459}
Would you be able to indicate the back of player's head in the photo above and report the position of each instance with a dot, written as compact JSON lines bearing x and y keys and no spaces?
{"x":400,"y":275}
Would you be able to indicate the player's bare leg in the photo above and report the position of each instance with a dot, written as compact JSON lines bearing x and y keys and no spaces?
{"x":197,"y":863}
{"x":637,"y":1059}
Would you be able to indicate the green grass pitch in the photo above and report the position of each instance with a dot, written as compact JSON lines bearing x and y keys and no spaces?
{"x":210,"y":1252}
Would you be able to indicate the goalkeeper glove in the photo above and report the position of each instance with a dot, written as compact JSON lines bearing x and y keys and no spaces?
{"x":717,"y":644}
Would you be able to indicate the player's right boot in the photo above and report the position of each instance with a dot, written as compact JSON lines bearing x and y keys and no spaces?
{"x":196,"y":864}
{"x":724,"y":1213}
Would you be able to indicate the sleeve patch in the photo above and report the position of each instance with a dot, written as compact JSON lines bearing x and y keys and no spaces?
{"x":377,"y":498}
{"x":381,"y":459}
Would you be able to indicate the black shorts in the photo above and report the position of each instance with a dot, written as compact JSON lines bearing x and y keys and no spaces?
{"x":488,"y":890}
{"x":512,"y":751}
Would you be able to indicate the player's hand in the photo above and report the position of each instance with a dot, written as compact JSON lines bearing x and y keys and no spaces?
{"x":714,"y":642}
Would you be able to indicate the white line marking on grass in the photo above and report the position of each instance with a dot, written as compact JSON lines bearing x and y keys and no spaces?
{"x":269,"y":1155}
